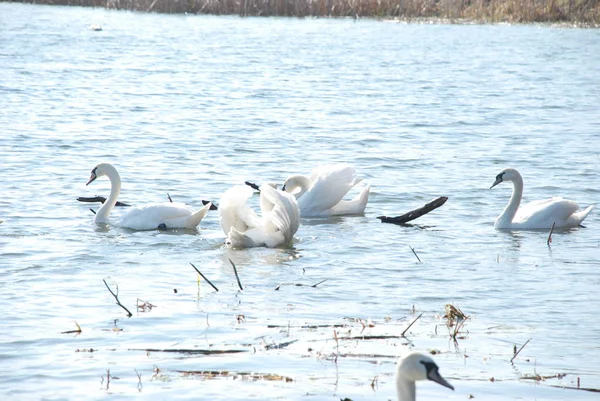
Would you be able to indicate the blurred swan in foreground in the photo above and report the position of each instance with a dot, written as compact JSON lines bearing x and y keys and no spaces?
{"x":542,"y":214}
{"x":412,"y":367}
{"x":150,"y":217}
{"x":321,"y":194}
{"x":279,"y":221}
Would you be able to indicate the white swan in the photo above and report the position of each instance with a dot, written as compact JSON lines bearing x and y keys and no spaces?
{"x":412,"y":367}
{"x":321,"y":194}
{"x":149,"y":217}
{"x":542,"y":214}
{"x":244,"y":229}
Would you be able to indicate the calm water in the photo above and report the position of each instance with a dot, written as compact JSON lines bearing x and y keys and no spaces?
{"x":191,"y":105}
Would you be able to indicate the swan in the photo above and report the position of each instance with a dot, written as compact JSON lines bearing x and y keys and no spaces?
{"x":412,"y":367}
{"x":542,"y":214}
{"x":149,"y":217}
{"x":321,"y":194}
{"x":244,"y":229}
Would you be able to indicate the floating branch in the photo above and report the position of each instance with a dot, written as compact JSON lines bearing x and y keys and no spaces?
{"x":236,"y":275}
{"x":280,"y":345}
{"x":169,"y":196}
{"x":191,"y":351}
{"x":370,"y":337}
{"x":414,"y":214}
{"x":211,"y":374}
{"x":202,"y":275}
{"x":517,"y":353}
{"x":300,"y":285}
{"x":129,"y":314}
{"x":92,"y":210}
{"x":252,"y":185}
{"x":410,"y":325}
{"x":549,"y":241}
{"x":100,"y":199}
{"x":312,"y":326}
{"x":413,"y":251}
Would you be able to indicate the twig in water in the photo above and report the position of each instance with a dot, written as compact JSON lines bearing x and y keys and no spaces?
{"x":92,"y":210}
{"x":301,"y":285}
{"x":169,"y":196}
{"x":411,"y":323}
{"x":202,"y":275}
{"x":129,"y":314}
{"x":412,"y":249}
{"x":549,"y":241}
{"x":73,"y":331}
{"x":139,"y":375}
{"x":236,"y":275}
{"x":517,"y":353}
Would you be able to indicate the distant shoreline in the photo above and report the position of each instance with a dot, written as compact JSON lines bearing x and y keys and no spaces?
{"x":578,"y":13}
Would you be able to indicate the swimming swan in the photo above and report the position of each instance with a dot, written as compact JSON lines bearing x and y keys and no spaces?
{"x":416,"y":366}
{"x":244,"y":229}
{"x":321,"y":194}
{"x":149,"y":217}
{"x":538,"y":214}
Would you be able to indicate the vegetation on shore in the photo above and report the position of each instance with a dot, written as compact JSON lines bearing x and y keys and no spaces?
{"x":584,"y":12}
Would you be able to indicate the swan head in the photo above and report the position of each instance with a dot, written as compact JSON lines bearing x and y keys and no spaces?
{"x":101,"y":170}
{"x":508,"y":174}
{"x":416,"y":366}
{"x":296,"y":185}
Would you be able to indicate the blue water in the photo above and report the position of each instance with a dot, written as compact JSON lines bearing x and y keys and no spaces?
{"x":191,"y":105}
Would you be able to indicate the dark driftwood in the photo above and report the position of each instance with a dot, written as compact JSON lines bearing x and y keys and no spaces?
{"x":252,"y":185}
{"x":100,"y":199}
{"x":414,"y":214}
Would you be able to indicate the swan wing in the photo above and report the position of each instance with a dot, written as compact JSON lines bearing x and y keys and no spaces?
{"x":234,"y":210}
{"x":150,"y":216}
{"x":329,"y":185}
{"x":282,"y":222}
{"x":542,"y":214}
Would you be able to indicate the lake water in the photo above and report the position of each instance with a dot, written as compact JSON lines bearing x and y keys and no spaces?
{"x":191,"y":105}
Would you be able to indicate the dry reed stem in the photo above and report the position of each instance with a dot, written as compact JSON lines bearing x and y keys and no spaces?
{"x":413,"y":251}
{"x":549,"y":241}
{"x":236,"y":275}
{"x":410,"y":325}
{"x":129,"y":314}
{"x":205,"y":279}
{"x":517,"y":353}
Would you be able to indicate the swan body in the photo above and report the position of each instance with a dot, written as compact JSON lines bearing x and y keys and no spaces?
{"x":279,"y":221}
{"x":412,"y":367}
{"x":149,"y":217}
{"x":542,"y":214}
{"x":320,"y":195}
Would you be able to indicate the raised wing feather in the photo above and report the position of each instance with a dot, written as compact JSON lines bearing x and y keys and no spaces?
{"x":329,"y":185}
{"x":547,"y":211}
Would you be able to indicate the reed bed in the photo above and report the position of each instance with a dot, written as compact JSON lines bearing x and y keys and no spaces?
{"x":584,"y":12}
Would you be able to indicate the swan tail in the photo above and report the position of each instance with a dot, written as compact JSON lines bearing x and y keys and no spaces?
{"x":354,"y":206}
{"x":196,"y":217}
{"x":249,"y":239}
{"x":581,"y":215}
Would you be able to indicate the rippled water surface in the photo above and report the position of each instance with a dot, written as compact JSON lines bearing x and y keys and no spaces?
{"x":191,"y":105}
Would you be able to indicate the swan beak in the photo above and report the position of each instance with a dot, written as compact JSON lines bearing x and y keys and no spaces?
{"x":498,"y":181}
{"x":92,"y":178}
{"x":435,"y":376}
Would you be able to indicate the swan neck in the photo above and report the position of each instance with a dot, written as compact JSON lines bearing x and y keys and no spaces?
{"x":109,"y":204}
{"x":303,"y":183}
{"x":515,"y":200}
{"x":406,"y":390}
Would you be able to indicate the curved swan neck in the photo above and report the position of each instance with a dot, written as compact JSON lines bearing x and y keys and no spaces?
{"x":406,"y":390}
{"x":510,"y":210}
{"x":295,"y":182}
{"x":115,"y":190}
